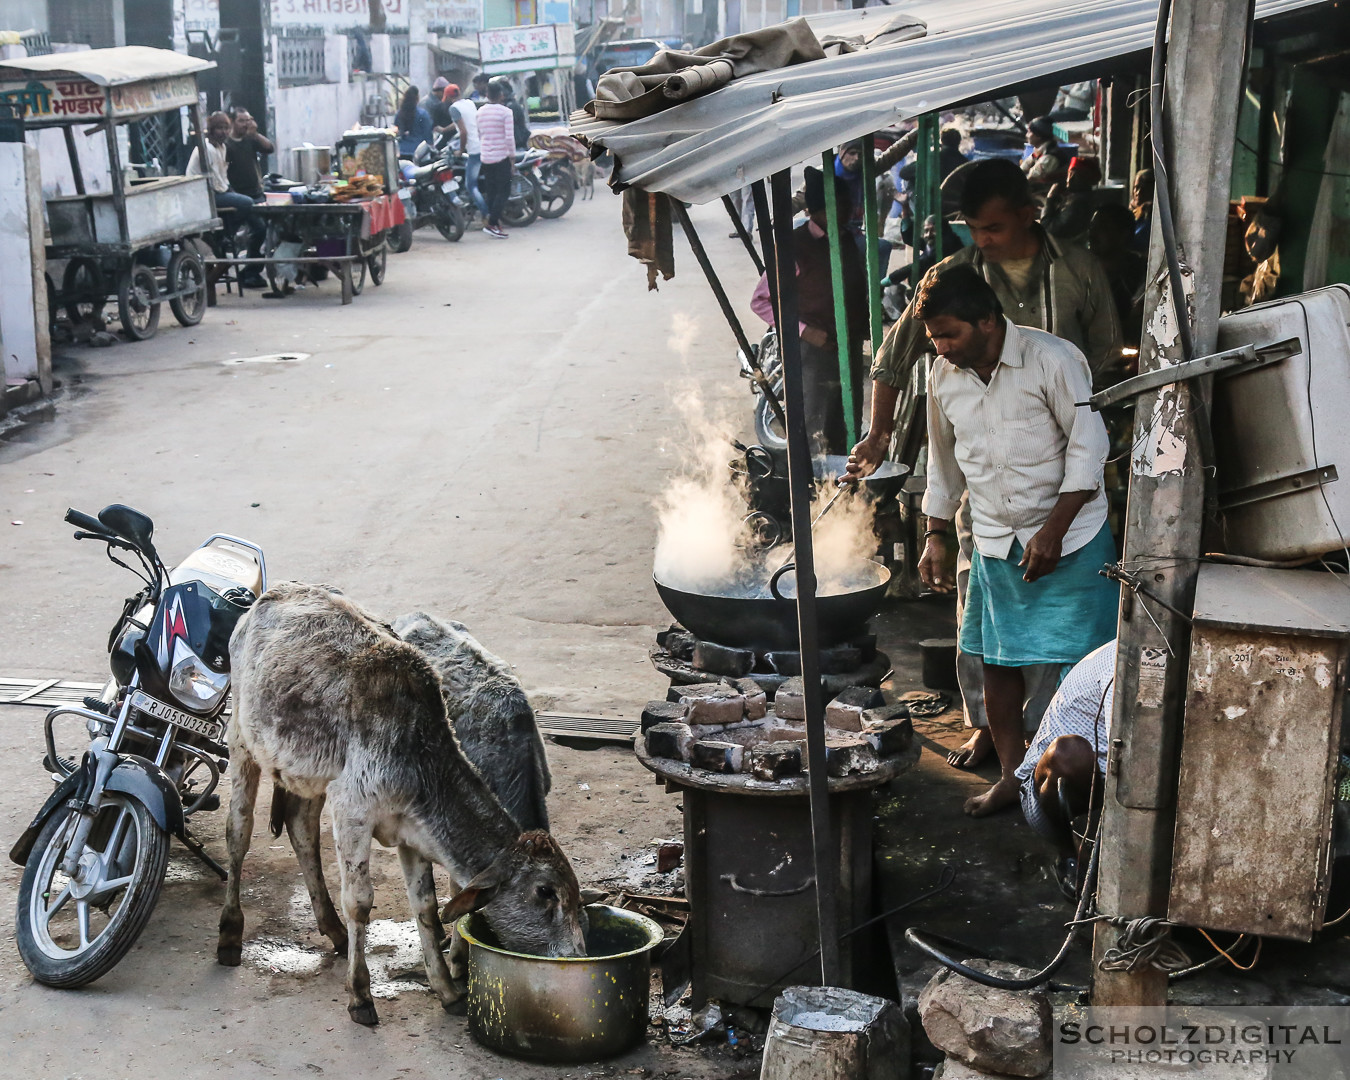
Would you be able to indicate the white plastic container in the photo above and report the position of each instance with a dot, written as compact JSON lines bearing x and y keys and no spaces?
{"x":1282,"y":432}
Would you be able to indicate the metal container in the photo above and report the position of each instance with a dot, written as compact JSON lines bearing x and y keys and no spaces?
{"x":1279,"y":430}
{"x":563,"y":1009}
{"x":311,"y":162}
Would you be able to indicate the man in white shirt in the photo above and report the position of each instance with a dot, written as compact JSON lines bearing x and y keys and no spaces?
{"x":218,"y":126}
{"x":1003,"y":423}
{"x":465,"y":115}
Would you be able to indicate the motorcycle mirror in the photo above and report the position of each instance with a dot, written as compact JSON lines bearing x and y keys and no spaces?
{"x":129,"y":524}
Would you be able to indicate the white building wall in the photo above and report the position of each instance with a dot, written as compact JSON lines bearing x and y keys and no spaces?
{"x":318,"y":114}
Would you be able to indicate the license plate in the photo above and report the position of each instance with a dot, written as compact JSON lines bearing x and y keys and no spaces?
{"x":212,"y":729}
{"x":450,"y":186}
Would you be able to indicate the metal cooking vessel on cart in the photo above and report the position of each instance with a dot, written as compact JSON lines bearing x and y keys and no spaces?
{"x":765,"y":478}
{"x":765,"y":623}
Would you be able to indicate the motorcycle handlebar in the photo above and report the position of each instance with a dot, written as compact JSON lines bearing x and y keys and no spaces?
{"x":85,"y":522}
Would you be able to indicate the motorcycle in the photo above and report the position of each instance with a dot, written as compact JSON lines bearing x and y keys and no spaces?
{"x":768,"y":429}
{"x":557,"y":185}
{"x":428,"y":188}
{"x":95,"y":855}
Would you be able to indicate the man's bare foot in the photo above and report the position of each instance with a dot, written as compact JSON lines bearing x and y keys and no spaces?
{"x":1001,"y":795}
{"x":973,"y":751}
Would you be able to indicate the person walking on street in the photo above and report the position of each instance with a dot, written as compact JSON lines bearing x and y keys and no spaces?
{"x":1039,"y":282}
{"x":240,"y":205}
{"x":497,"y":143}
{"x":1005,"y":423}
{"x":413,"y":123}
{"x":464,"y":117}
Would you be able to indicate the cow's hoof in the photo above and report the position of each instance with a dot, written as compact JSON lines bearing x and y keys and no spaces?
{"x":229,"y":955}
{"x":364,"y":1013}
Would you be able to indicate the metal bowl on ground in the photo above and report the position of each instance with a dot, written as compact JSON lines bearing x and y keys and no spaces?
{"x":770,"y":623}
{"x":563,"y":1009}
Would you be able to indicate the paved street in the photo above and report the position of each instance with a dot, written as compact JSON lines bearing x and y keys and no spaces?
{"x":482,"y":437}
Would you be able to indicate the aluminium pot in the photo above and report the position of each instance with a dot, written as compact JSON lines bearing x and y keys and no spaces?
{"x":563,"y":1009}
{"x":312,"y":162}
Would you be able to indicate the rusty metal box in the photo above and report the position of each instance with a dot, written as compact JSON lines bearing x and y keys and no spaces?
{"x":1260,"y":750}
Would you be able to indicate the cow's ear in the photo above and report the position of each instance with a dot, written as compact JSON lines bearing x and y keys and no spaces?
{"x":479,"y":891}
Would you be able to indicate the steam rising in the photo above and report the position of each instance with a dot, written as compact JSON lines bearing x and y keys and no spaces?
{"x":704,"y":544}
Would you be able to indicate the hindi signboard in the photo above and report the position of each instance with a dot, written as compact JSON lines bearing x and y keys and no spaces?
{"x":47,"y":101}
{"x":526,"y":48}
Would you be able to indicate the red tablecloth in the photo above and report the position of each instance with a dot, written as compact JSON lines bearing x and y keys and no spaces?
{"x":382,"y":212}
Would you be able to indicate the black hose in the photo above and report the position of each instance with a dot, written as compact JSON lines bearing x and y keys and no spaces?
{"x":1162,"y":190}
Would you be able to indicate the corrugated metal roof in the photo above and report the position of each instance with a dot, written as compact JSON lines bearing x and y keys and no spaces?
{"x":108,"y":67}
{"x":761,"y":124}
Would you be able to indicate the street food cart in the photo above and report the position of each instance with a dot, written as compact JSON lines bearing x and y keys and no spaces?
{"x":128,"y":237}
{"x":338,"y":224}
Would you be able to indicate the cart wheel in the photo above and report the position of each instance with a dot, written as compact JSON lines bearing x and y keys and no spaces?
{"x":358,"y":272}
{"x":138,"y":303}
{"x":187,"y":278}
{"x":84,"y":291}
{"x":401,"y":237}
{"x":376,"y":262}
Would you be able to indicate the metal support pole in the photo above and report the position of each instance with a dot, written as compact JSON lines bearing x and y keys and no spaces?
{"x":74,"y":154}
{"x":842,"y":336}
{"x":933,"y":179}
{"x":1167,"y":487}
{"x":746,"y":239}
{"x":117,"y":176}
{"x":927,"y":191}
{"x":800,"y":482}
{"x":764,"y":222}
{"x":872,"y":230}
{"x":728,"y":312}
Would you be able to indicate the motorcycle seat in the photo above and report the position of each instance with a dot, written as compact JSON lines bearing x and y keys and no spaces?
{"x":423,"y":171}
{"x":223,"y":565}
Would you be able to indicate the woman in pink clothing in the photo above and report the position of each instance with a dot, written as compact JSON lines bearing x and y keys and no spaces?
{"x":497,"y":135}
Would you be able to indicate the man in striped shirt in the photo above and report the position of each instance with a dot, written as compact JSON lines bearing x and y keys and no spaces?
{"x":1039,"y":282}
{"x":497,"y":145}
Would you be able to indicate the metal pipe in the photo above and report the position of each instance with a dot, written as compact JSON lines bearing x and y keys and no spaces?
{"x":842,"y":337}
{"x":728,"y":312}
{"x":765,"y":223}
{"x":800,"y":481}
{"x":746,"y":238}
{"x":74,"y":154}
{"x":872,"y":230}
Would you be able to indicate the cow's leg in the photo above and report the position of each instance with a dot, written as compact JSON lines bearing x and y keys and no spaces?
{"x":351,"y":833}
{"x":303,"y":827}
{"x":421,"y":885}
{"x":244,"y":776}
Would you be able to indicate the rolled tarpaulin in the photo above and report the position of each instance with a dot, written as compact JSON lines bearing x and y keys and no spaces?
{"x":693,"y":81}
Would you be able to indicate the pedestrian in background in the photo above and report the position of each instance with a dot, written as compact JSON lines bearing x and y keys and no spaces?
{"x":464,"y":117}
{"x":216,"y":170}
{"x":413,"y":123}
{"x":497,"y":141}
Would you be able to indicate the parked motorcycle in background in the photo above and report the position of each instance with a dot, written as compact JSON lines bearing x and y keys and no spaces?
{"x":95,"y":855}
{"x":428,"y":187}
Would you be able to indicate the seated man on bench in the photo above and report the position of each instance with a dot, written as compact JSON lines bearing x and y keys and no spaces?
{"x":217,"y":133}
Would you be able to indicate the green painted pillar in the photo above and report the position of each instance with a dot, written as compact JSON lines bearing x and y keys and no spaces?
{"x":841,"y":332}
{"x":872,"y":230}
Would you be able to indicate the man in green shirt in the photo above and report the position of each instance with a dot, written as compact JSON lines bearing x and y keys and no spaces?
{"x":1040,"y":282}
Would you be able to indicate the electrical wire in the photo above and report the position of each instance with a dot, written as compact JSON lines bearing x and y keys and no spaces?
{"x":1291,"y":168}
{"x":1255,"y":956}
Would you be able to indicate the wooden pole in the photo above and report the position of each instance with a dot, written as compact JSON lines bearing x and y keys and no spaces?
{"x":842,"y":335}
{"x":739,"y":226}
{"x":1167,"y":488}
{"x":801,"y":480}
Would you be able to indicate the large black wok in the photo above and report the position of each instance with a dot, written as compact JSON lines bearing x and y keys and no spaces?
{"x":753,"y":623}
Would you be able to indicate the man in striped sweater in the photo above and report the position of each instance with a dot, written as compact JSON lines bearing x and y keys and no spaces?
{"x":497,"y":145}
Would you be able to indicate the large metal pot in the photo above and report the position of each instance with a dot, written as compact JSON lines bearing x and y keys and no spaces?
{"x":312,"y":162}
{"x":771,"y":623}
{"x":563,"y":1009}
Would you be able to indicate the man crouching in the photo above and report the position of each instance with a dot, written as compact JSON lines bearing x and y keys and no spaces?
{"x":1004,"y":423}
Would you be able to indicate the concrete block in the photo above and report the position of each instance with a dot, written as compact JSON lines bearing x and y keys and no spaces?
{"x":663,"y":712}
{"x":850,"y":756}
{"x":722,"y":659}
{"x":785,"y":663}
{"x":672,"y":741}
{"x":717,"y":705}
{"x":756,"y":701}
{"x":840,"y":659}
{"x":679,"y":693}
{"x":678,"y":642}
{"x":716,"y":756}
{"x":773,"y":761}
{"x":1004,"y":1032}
{"x":790,"y":703}
{"x":890,"y":737}
{"x":846,"y":710}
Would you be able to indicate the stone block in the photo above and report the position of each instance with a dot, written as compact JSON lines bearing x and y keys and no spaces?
{"x":882,"y":713}
{"x":889,"y":737}
{"x":840,"y":659}
{"x":717,"y":756}
{"x":678,"y":642}
{"x":1005,"y":1032}
{"x":713,"y":703}
{"x":790,"y":701}
{"x":668,"y":856}
{"x":785,"y":663}
{"x":850,"y":756}
{"x":756,"y":701}
{"x":775,"y":760}
{"x":722,"y":659}
{"x":846,"y":710}
{"x":663,"y":712}
{"x":671,"y":741}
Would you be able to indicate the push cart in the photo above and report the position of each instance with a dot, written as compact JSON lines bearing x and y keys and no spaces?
{"x":137,"y":240}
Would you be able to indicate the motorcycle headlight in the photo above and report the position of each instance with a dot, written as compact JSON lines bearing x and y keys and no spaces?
{"x":194,"y":684}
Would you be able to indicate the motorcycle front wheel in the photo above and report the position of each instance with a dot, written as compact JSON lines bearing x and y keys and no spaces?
{"x":522,"y":207}
{"x":72,"y":930}
{"x":556,"y":196}
{"x":449,"y":220}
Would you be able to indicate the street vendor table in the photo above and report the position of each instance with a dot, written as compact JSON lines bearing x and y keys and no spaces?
{"x":347,"y":238}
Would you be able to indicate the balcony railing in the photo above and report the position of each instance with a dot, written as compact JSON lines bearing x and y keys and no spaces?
{"x":300,"y":60}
